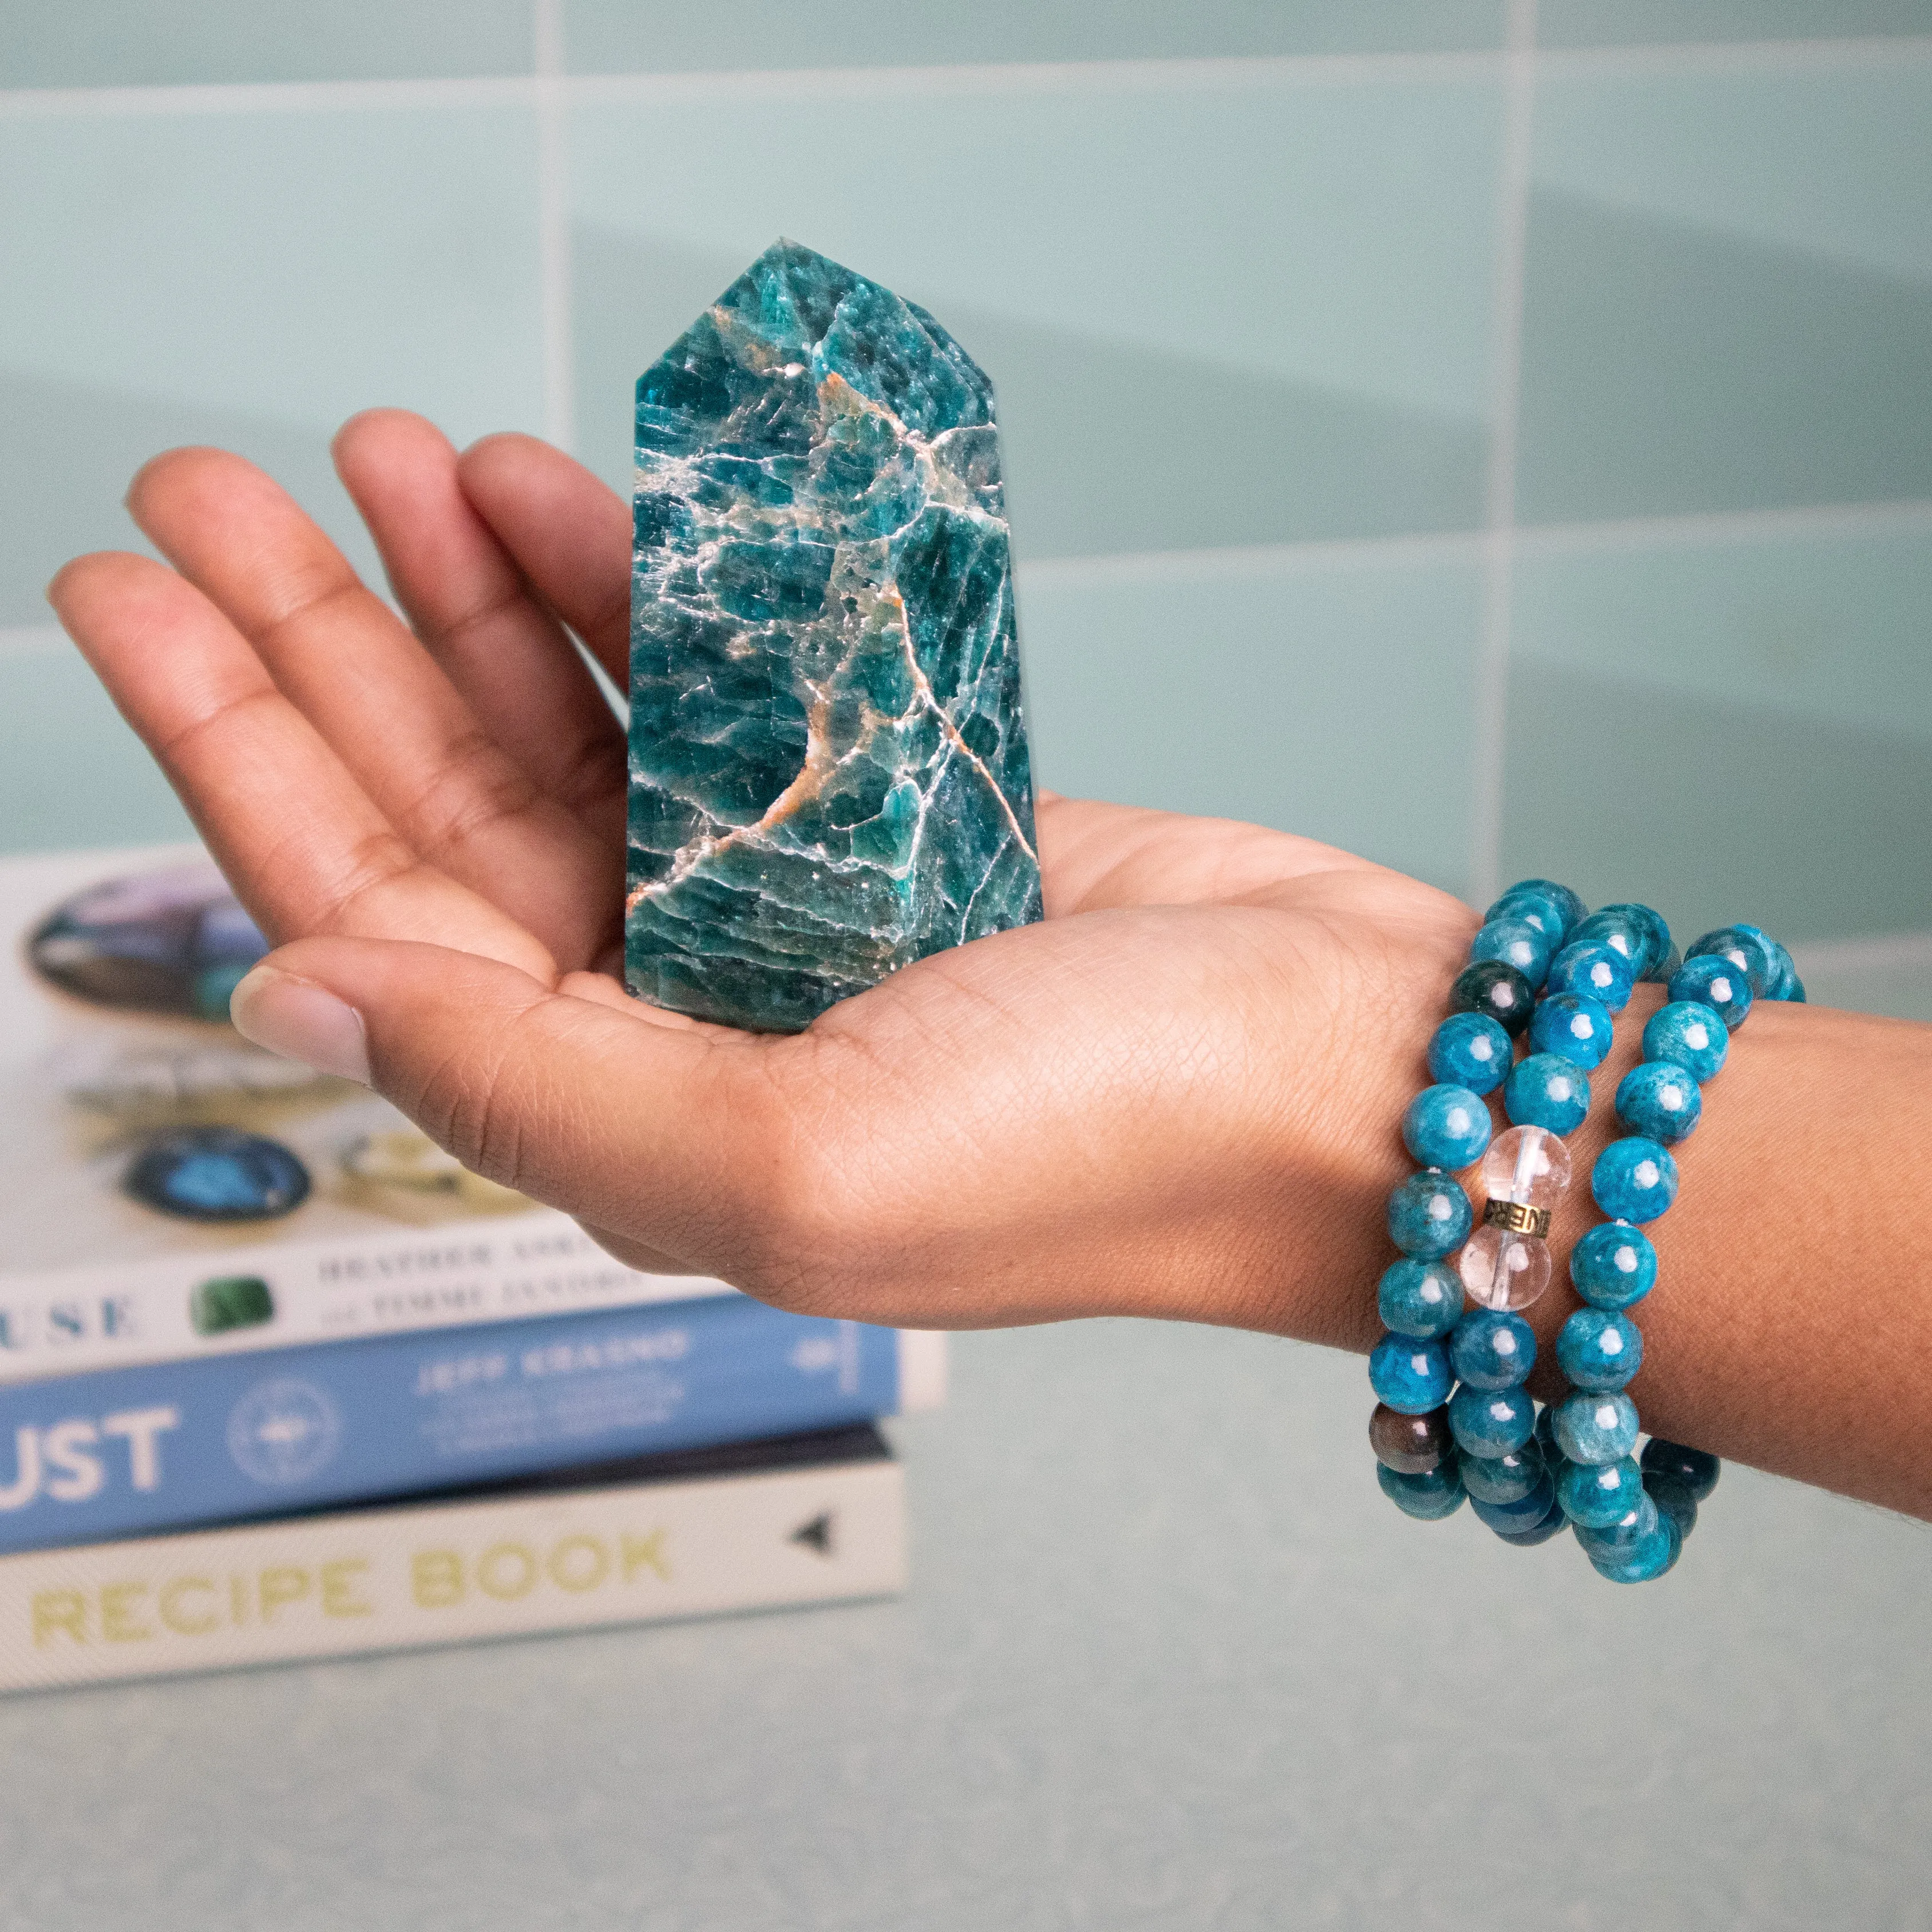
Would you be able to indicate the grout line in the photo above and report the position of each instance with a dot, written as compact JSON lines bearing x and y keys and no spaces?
{"x":1820,"y":520}
{"x":1165,"y":73}
{"x":1486,"y":815}
{"x":31,"y":640}
{"x":1103,"y":569}
{"x":1880,"y":952}
{"x":266,"y":97}
{"x":1670,"y":57}
{"x":1017,"y":76}
{"x":559,"y":375}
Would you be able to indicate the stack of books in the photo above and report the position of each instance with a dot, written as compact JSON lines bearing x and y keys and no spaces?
{"x":280,"y":1379}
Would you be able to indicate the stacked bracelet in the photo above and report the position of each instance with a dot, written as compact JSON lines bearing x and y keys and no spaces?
{"x":1631,"y":1517}
{"x":1453,"y":1419}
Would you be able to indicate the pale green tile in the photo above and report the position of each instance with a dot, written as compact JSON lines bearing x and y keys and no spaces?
{"x":249,"y":280}
{"x":68,"y":452}
{"x":1731,"y":731}
{"x":1833,"y":625}
{"x":1589,"y":23}
{"x":1668,"y":368}
{"x":71,"y":773}
{"x":1833,"y":159}
{"x":1334,"y":700}
{"x":139,"y":44}
{"x":1713,"y":811}
{"x":628,"y":36}
{"x":1242,"y":314}
{"x":1207,"y":455}
{"x":1892,"y":977}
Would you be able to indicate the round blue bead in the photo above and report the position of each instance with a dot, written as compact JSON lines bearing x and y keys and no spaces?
{"x":1546,"y":1090}
{"x":1716,"y":983}
{"x":1504,"y":1479}
{"x":1430,"y":1496}
{"x":1470,"y":1050}
{"x":1430,"y":1215}
{"x":1489,"y":1349}
{"x":1635,"y":932}
{"x":1659,"y":1099}
{"x":1634,"y":1179}
{"x":1545,"y":1437}
{"x":1672,"y":1499}
{"x":1568,"y":905}
{"x":1494,"y":987}
{"x":1751,"y":952}
{"x":1590,"y":1428}
{"x":1598,"y":1349}
{"x":1446,"y":1127}
{"x":1553,"y":1523}
{"x":1652,"y":1557}
{"x":1489,"y":1422}
{"x":1660,"y":973}
{"x":1516,"y":942}
{"x":1613,"y":1266}
{"x":1695,"y":1468}
{"x":1411,"y":1375}
{"x":1599,"y":1494}
{"x":1601,"y":971}
{"x":1780,"y":975}
{"x":1638,"y":1519}
{"x":1513,"y":1518}
{"x":1535,"y":906}
{"x":1419,"y":1298}
{"x":1688,"y":1034}
{"x":1575,"y":1025}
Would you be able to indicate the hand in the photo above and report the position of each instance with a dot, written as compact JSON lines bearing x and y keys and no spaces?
{"x":1173,"y":1097}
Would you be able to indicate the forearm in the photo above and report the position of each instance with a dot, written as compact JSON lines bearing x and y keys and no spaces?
{"x":1791,"y":1325}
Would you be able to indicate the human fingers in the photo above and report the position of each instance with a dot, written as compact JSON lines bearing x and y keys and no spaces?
{"x":345,"y":662}
{"x":474,"y":612}
{"x":663,"y":1139}
{"x":298,"y":838}
{"x":570,"y":536}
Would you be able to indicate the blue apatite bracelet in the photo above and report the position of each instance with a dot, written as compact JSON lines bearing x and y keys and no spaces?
{"x":1632,"y":1515}
{"x":1453,"y":1418}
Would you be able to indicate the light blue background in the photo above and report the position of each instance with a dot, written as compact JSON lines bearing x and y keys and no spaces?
{"x":1310,"y":466}
{"x":1289,"y":414}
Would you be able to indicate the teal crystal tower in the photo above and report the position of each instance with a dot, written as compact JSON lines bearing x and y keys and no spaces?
{"x":829,"y":766}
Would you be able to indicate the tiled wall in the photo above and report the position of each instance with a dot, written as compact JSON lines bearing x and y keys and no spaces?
{"x":1493,"y":439}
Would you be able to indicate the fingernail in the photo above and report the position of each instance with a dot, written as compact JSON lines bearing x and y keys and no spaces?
{"x":300,"y":1021}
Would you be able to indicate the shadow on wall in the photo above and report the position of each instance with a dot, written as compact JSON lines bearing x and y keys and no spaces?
{"x":67,"y":453}
{"x":1716,"y":811}
{"x":1672,"y":369}
{"x":1110,"y":447}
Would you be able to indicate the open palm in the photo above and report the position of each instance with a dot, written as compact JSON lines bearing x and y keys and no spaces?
{"x":1150,"y":1103}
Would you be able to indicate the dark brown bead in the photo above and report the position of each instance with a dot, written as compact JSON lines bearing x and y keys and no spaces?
{"x":1411,"y":1444}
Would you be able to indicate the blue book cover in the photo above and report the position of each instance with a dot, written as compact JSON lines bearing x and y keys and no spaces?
{"x":138,"y":1451}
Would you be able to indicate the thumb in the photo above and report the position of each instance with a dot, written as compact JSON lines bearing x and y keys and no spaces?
{"x":660,"y":1134}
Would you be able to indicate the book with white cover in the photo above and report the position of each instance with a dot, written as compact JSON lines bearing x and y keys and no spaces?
{"x":807,"y":1519}
{"x":130,"y":1113}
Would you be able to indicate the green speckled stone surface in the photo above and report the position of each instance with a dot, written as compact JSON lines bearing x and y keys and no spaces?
{"x":829,"y":767}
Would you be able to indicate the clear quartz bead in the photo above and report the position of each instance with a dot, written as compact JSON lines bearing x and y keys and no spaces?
{"x":1529,"y":1165}
{"x":1503,"y":1270}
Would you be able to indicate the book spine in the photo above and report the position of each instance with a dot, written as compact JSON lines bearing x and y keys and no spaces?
{"x":176,"y":1306}
{"x":131,"y":1451}
{"x":410,"y":1577}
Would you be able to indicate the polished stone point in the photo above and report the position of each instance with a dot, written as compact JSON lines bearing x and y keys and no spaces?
{"x":829,"y":767}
